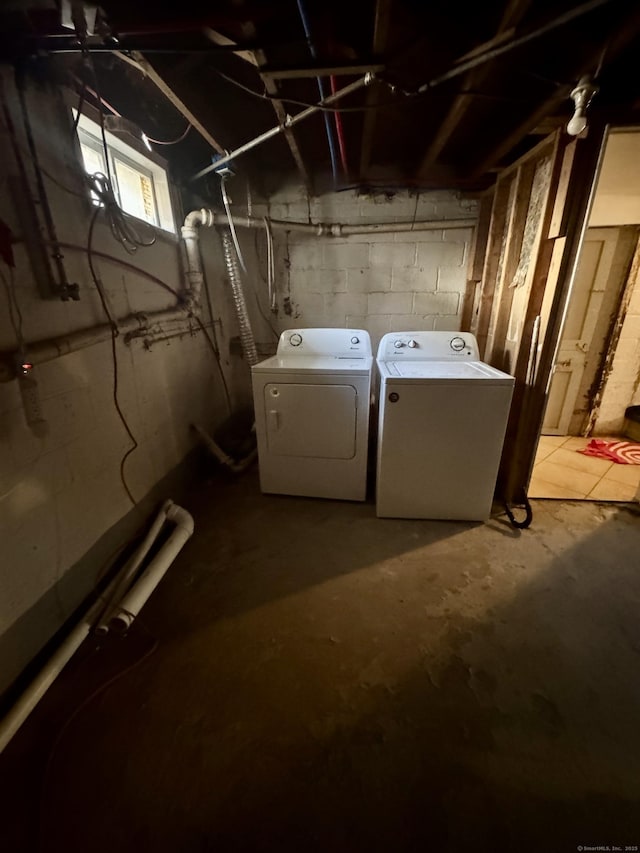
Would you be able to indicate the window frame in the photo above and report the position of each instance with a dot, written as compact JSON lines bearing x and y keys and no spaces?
{"x":135,"y":156}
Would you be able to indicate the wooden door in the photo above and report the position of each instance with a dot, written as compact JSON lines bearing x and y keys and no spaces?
{"x":604,"y":260}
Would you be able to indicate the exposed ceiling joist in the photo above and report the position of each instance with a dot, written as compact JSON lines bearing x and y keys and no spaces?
{"x":320,"y":71}
{"x":138,"y":61}
{"x":513,"y":14}
{"x":380,"y":30}
{"x":258,"y":59}
{"x":221,"y":40}
{"x":627,"y":30}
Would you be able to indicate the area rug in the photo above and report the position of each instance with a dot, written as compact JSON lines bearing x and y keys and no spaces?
{"x":622,"y":452}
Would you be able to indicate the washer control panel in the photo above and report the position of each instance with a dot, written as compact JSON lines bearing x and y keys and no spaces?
{"x":424,"y":345}
{"x":341,"y":343}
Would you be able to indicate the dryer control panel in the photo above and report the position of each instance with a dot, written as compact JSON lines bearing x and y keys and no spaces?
{"x":400,"y":346}
{"x":340,"y":343}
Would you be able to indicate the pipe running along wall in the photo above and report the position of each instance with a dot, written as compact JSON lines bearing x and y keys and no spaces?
{"x":189,"y":299}
{"x":122,"y":600}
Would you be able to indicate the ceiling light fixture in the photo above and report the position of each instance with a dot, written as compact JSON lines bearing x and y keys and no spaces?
{"x":581,"y":96}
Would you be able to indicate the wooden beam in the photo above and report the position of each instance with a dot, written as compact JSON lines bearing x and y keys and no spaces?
{"x":138,"y":61}
{"x":259,"y":60}
{"x":380,"y":30}
{"x":223,"y":41}
{"x":281,"y":113}
{"x":513,"y":14}
{"x":627,"y":30}
{"x":295,"y":73}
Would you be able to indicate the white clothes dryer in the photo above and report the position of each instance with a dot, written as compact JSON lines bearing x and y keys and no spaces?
{"x":312,"y":403}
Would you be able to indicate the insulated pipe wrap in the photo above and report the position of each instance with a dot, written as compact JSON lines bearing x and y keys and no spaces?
{"x":246,"y":334}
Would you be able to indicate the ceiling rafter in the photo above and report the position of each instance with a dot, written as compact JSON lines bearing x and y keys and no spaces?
{"x":380,"y":31}
{"x":513,"y":14}
{"x":137,"y":60}
{"x":623,"y":34}
{"x":258,"y":59}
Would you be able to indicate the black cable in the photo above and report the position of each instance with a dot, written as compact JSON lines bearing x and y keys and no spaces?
{"x":15,"y":313}
{"x":216,"y":354}
{"x":81,"y":100}
{"x":528,"y":518}
{"x":171,"y":141}
{"x":320,"y":106}
{"x":102,"y":130}
{"x":409,"y":97}
{"x":123,"y":226}
{"x":114,"y":356}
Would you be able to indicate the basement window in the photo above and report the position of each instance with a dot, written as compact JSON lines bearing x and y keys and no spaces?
{"x":140,"y":181}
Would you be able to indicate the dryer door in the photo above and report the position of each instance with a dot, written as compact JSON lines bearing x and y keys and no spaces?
{"x":311,"y":420}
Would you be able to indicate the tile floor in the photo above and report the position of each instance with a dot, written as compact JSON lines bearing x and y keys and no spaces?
{"x":560,"y":472}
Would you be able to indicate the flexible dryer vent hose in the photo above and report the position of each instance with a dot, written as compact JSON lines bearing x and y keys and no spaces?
{"x":246,"y":333}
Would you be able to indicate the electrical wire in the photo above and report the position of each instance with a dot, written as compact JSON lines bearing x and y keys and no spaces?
{"x":114,"y":357}
{"x":409,"y":97}
{"x":171,"y":141}
{"x":81,"y":100}
{"x":102,"y":130}
{"x":320,"y":106}
{"x":15,"y":314}
{"x":216,"y":352}
{"x":112,"y":109}
{"x":123,"y":226}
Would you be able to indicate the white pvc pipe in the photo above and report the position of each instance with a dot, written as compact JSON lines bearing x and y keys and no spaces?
{"x":134,"y":600}
{"x":14,"y":719}
{"x":133,"y":564}
{"x":223,"y":458}
{"x":209,"y":218}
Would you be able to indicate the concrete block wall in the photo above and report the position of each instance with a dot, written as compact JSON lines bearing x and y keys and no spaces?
{"x":623,"y":385}
{"x":60,"y":491}
{"x":378,"y":282}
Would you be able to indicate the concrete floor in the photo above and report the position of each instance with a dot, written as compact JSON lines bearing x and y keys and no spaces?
{"x":328,"y":681}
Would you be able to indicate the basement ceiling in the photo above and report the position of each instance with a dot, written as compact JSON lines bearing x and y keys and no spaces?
{"x":240,"y":67}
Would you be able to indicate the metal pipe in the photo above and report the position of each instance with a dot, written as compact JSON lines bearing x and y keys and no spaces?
{"x":321,"y":91}
{"x":51,"y":348}
{"x":210,"y":218}
{"x":134,"y":600}
{"x":290,"y":122}
{"x":463,"y":67}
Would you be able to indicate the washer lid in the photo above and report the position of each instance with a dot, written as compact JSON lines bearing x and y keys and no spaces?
{"x":446,"y":369}
{"x":337,"y":365}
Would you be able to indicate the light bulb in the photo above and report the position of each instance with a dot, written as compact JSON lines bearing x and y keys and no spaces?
{"x":577,"y":124}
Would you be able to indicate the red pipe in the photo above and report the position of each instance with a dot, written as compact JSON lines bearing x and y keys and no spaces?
{"x":340,"y":133}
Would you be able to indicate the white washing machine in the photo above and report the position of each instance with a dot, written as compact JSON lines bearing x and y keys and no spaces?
{"x":312,"y":403}
{"x":442,"y":420}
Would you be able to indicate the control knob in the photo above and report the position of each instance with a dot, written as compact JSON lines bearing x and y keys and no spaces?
{"x":398,"y":344}
{"x":457,"y":344}
{"x":295,"y":340}
{"x":355,"y":340}
{"x":413,"y":344}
